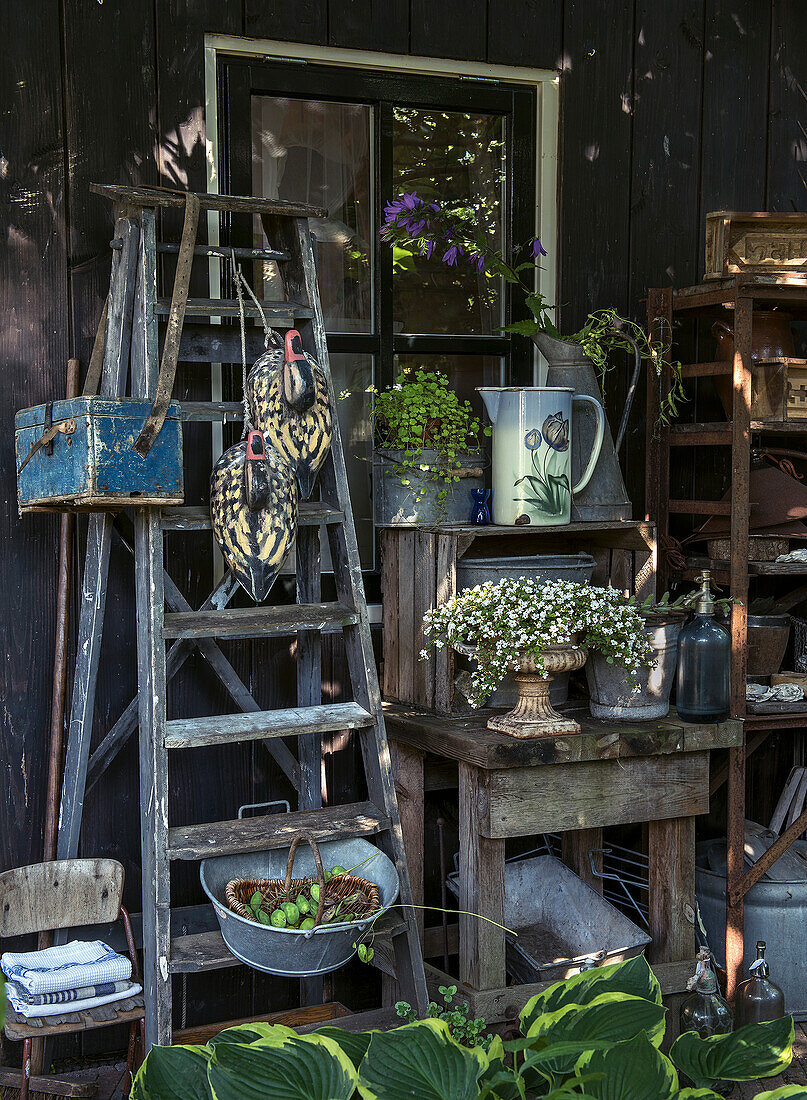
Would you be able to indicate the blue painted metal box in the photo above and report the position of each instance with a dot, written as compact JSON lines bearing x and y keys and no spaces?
{"x":91,"y":465}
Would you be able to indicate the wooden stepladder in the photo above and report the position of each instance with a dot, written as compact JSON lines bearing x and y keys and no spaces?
{"x":168,"y":628}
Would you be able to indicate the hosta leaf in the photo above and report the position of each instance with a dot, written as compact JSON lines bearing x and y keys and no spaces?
{"x":697,"y":1094}
{"x":786,"y":1092}
{"x":609,"y":1018}
{"x":300,"y":1067}
{"x":633,"y":1070}
{"x":353,"y":1043}
{"x":420,"y":1060}
{"x":756,"y":1050}
{"x":499,"y":1081}
{"x":2,"y":1003}
{"x":634,"y":977}
{"x":251,"y":1033}
{"x":173,"y":1073}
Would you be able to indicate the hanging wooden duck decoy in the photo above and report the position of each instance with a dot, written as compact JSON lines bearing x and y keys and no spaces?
{"x":288,"y":399}
{"x":253,"y":507}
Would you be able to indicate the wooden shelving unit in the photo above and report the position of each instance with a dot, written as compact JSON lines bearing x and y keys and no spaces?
{"x":665,"y":307}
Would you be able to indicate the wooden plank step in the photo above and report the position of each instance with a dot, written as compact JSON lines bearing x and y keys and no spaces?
{"x":257,"y":725}
{"x":228,"y":412}
{"x":224,"y":251}
{"x":208,"y":951}
{"x":256,"y":622}
{"x":704,"y":435}
{"x":707,"y":370}
{"x":700,"y":507}
{"x":260,"y":834}
{"x":276,"y":313}
{"x":238,"y":204}
{"x":197,"y":517}
{"x":310,"y":1016}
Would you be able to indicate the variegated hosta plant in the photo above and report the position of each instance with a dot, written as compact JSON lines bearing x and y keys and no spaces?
{"x":504,"y":623}
{"x":593,"y":1037}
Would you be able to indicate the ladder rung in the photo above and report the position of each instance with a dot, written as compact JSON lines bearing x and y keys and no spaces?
{"x":701,"y":435}
{"x":223,"y":729}
{"x":276,"y":312}
{"x":700,"y":507}
{"x":197,"y":518}
{"x":256,"y":622}
{"x":208,"y":951}
{"x":225,"y":252}
{"x":226,"y":411}
{"x":259,"y":834}
{"x":707,"y":370}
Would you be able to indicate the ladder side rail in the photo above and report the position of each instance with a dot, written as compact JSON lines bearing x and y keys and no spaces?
{"x":151,"y":678}
{"x":358,"y":641}
{"x":309,"y":665}
{"x":96,"y":563}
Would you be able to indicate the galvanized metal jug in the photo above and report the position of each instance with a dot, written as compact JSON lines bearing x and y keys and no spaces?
{"x":532,"y":469}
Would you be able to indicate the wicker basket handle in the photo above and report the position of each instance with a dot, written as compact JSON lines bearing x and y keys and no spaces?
{"x":320,"y":871}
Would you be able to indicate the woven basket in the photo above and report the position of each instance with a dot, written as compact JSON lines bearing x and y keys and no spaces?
{"x":366,"y":900}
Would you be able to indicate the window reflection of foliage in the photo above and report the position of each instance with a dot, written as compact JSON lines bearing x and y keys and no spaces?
{"x":449,"y":155}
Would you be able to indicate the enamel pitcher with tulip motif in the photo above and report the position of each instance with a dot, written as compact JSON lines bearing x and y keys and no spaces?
{"x":532,"y":467}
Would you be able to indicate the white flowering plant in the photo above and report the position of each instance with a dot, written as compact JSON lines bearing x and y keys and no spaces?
{"x":504,"y":622}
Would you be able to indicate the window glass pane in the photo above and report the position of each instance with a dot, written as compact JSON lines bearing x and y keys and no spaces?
{"x":352,"y":379}
{"x":449,"y":155}
{"x":320,"y":152}
{"x":465,"y":373}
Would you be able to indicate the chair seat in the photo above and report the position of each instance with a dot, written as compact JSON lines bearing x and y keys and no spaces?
{"x":37,"y":1027}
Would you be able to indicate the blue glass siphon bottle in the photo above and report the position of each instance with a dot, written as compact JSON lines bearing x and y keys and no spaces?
{"x":704,"y":663}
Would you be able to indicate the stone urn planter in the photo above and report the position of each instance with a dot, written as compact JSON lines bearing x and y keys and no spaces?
{"x":613,"y":697}
{"x":533,"y":715}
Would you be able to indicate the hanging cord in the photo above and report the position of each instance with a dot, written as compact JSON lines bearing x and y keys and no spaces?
{"x":239,"y":278}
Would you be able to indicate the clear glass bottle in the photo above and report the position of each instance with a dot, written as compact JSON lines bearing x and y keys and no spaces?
{"x":704,"y":663}
{"x":705,"y":1011}
{"x":758,"y":998}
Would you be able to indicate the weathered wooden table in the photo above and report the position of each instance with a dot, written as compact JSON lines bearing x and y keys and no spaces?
{"x":609,"y":774}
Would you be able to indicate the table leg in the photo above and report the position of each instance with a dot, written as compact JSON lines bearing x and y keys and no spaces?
{"x":481,"y":867}
{"x":576,"y":846}
{"x":671,"y":851}
{"x":407,"y":767}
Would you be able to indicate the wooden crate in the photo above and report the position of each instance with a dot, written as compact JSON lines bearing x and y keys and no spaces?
{"x":755,"y":244}
{"x":419,"y":571}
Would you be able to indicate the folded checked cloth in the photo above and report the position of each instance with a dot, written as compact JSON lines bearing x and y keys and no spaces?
{"x":28,"y":1010}
{"x":70,"y":966}
{"x":64,"y":996}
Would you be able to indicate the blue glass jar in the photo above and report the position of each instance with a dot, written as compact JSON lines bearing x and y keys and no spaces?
{"x":704,"y":663}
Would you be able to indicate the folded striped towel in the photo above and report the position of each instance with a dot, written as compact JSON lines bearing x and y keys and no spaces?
{"x":75,"y":1006}
{"x":71,"y":966}
{"x":65,"y":996}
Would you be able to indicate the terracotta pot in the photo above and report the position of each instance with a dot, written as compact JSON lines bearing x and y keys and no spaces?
{"x":771,"y":338}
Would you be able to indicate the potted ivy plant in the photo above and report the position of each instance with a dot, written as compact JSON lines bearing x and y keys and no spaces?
{"x":428,"y":457}
{"x":537,"y":630}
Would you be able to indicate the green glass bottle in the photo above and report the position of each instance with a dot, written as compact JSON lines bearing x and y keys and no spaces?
{"x":704,"y":663}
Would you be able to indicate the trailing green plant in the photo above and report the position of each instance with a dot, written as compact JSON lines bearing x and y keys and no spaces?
{"x":665,"y":607}
{"x":501,"y":623}
{"x":452,"y":232}
{"x":467,"y":1031}
{"x":420,"y":412}
{"x":596,"y":1036}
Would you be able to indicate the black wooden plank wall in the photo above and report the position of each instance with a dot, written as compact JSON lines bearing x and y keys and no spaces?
{"x":669,"y":110}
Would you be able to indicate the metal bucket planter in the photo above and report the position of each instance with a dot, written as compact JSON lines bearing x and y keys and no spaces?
{"x":612,"y":696}
{"x":287,"y":951}
{"x":539,"y":567}
{"x":396,"y":504}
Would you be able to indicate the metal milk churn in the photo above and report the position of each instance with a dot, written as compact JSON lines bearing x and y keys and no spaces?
{"x":605,"y":496}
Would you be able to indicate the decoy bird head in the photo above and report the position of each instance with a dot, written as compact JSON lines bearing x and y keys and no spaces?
{"x":299,"y":390}
{"x":257,"y":483}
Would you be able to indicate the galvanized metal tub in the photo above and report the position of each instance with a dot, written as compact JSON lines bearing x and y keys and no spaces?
{"x":561,"y":923}
{"x":399,"y":505}
{"x":774,"y":911}
{"x":540,"y":567}
{"x":284,"y":950}
{"x":612,"y":696}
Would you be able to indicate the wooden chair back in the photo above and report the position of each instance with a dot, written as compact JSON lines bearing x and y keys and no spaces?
{"x":66,"y":893}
